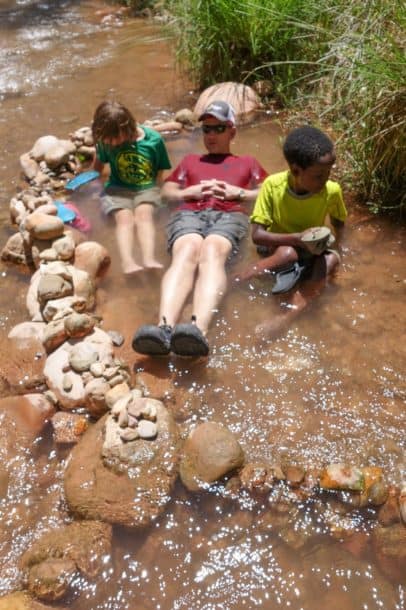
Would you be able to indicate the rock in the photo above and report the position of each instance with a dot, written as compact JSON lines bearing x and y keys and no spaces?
{"x":27,"y":334}
{"x":82,"y":355}
{"x":56,"y":156}
{"x":210,"y":452}
{"x":44,"y":226}
{"x":14,"y":250}
{"x":68,"y":427}
{"x":53,"y":287}
{"x":54,"y":335}
{"x":389,"y":512}
{"x":186,"y":117}
{"x":78,"y":324}
{"x":257,"y":477}
{"x":52,"y":561}
{"x":29,"y":412}
{"x":115,"y":393}
{"x":93,"y":258}
{"x":64,"y":247}
{"x":56,"y":309}
{"x":131,"y":482}
{"x":342,"y":476}
{"x":29,"y":166}
{"x":22,"y":601}
{"x":147,"y":429}
{"x":243,"y":99}
{"x":390,"y":548}
{"x":42,"y":145}
{"x":294,"y":474}
{"x":95,"y":397}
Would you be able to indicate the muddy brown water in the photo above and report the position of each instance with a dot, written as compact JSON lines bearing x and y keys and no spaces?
{"x":330,"y":389}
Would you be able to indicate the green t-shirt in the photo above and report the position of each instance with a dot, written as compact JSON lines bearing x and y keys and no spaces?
{"x":135,"y":165}
{"x":280,"y":210}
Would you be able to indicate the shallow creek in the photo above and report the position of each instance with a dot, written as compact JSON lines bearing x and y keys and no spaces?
{"x":330,"y":389}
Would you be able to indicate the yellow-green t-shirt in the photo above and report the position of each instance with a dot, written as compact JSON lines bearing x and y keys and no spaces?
{"x":280,"y":210}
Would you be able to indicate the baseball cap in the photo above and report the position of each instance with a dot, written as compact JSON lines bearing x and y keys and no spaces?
{"x":223,"y":111}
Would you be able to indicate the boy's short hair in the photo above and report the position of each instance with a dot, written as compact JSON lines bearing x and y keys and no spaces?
{"x":304,"y":146}
{"x":110,"y":120}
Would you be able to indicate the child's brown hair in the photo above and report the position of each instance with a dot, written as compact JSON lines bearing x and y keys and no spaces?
{"x":110,"y":120}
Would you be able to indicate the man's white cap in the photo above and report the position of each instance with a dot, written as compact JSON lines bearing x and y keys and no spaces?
{"x":223,"y":111}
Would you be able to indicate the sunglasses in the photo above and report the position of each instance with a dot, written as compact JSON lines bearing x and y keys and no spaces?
{"x":214,"y":128}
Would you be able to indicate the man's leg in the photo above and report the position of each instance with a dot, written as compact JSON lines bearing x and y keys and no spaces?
{"x":125,"y":240}
{"x":211,"y":283}
{"x":178,"y":280}
{"x":144,"y":221}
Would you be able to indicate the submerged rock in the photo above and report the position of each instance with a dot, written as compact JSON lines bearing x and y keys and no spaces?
{"x":123,"y":481}
{"x":210,"y":452}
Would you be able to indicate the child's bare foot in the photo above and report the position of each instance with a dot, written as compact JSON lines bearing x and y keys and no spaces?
{"x":131,"y":268}
{"x":153,"y":264}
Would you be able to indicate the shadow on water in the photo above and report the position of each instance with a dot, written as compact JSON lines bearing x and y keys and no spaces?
{"x":331,"y":388}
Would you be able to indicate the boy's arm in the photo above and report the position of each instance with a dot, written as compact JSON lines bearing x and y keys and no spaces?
{"x":338,"y":226}
{"x":98,"y":165}
{"x":262,"y":237}
{"x":172,"y":192}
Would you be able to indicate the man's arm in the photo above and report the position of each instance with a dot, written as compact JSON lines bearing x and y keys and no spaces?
{"x":172,"y":192}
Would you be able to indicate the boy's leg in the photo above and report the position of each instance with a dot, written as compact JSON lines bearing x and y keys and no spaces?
{"x":144,"y":221}
{"x":178,"y":280}
{"x":211,"y":283}
{"x":125,"y":240}
{"x":282,"y":256}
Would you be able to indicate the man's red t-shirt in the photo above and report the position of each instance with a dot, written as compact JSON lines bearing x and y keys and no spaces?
{"x":242,"y":171}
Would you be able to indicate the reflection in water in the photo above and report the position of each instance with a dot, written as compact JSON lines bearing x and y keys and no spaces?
{"x":331,"y":388}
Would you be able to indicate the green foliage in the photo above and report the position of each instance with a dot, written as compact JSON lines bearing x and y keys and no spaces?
{"x":345,"y":61}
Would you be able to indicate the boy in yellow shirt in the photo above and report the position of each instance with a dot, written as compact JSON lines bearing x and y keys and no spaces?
{"x":289,"y":212}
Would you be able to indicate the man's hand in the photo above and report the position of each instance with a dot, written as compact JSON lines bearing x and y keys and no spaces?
{"x":220,"y":189}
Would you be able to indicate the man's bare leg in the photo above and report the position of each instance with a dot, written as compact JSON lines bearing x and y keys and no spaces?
{"x":178,"y":280}
{"x":144,"y":221}
{"x":211,"y":283}
{"x":125,"y":240}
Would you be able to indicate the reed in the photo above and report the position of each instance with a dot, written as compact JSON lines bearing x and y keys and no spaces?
{"x":343,"y":61}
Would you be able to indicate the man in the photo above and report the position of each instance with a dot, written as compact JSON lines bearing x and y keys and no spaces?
{"x":214,"y":193}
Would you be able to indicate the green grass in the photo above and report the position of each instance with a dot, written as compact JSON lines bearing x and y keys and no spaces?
{"x":343,"y":62}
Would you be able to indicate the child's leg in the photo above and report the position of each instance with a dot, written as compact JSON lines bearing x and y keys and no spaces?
{"x":144,"y":221}
{"x":125,"y":240}
{"x":282,"y":256}
{"x":300,"y":298}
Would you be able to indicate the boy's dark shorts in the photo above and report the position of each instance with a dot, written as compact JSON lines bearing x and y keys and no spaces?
{"x":231,"y":225}
{"x":120,"y":198}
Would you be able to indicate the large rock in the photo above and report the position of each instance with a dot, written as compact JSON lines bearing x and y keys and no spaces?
{"x":29,"y":413}
{"x":44,"y":226}
{"x":210,"y":452}
{"x":132,"y":483}
{"x":243,"y":99}
{"x":55,"y":559}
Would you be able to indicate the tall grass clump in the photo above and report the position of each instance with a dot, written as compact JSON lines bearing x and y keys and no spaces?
{"x":343,"y":62}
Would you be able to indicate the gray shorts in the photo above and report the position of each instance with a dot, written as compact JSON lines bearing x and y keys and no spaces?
{"x":231,"y":225}
{"x":119,"y":198}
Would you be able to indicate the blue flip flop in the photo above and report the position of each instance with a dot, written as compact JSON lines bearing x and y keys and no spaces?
{"x":64,"y":213}
{"x":81,"y":179}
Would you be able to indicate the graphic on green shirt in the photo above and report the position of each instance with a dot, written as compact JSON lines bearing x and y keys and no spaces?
{"x":134,"y":168}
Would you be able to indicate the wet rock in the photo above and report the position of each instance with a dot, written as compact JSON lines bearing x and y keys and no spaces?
{"x":14,"y":250}
{"x":294,"y":474}
{"x":116,"y":337}
{"x":115,"y":393}
{"x":342,"y":476}
{"x":390,"y":547}
{"x":23,"y":601}
{"x":389,"y":512}
{"x":210,"y":452}
{"x":95,"y":397}
{"x":257,"y":477}
{"x":52,"y":561}
{"x":56,"y":309}
{"x":68,"y":427}
{"x":126,"y":483}
{"x":44,"y":226}
{"x":185,"y":116}
{"x":93,"y":258}
{"x":147,"y":429}
{"x":30,"y":413}
{"x":78,"y":324}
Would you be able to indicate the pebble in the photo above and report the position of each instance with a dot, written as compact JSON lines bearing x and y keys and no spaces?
{"x":147,"y":429}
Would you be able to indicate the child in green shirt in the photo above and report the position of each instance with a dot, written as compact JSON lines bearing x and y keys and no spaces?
{"x":290,"y":206}
{"x":137,"y":157}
